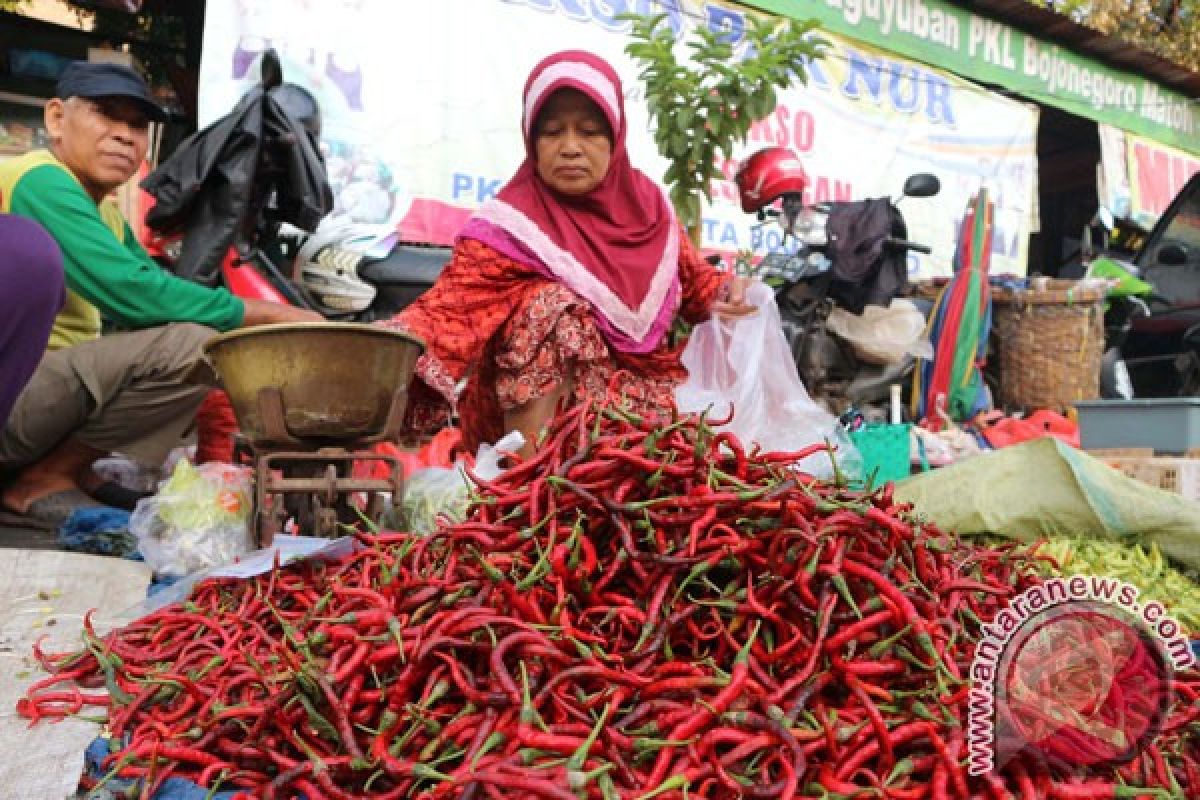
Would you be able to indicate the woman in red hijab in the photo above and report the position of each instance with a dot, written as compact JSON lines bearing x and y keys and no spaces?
{"x":570,"y":278}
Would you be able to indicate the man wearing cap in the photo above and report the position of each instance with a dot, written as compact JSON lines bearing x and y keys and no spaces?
{"x":125,"y":391}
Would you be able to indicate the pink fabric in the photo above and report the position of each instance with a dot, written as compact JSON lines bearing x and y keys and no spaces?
{"x":641,"y":335}
{"x":618,"y":245}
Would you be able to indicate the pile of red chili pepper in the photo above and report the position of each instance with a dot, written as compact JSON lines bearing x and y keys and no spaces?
{"x":640,"y":610}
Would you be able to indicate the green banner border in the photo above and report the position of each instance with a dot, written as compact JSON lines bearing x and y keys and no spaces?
{"x":985,"y":50}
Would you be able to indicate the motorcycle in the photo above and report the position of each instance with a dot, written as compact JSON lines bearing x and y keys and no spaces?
{"x":1151,"y":317}
{"x":358,"y":273}
{"x":838,"y":263}
{"x":1126,"y":302}
{"x":1188,"y":363}
{"x":259,"y":222}
{"x":242,"y":225}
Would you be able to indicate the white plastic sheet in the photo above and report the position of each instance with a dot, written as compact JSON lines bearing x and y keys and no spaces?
{"x":883,"y":335}
{"x":45,"y":593}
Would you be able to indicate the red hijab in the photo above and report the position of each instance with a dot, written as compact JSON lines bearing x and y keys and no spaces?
{"x":616,"y":246}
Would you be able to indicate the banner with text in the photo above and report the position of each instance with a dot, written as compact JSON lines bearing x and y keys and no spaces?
{"x":421,"y":110}
{"x":1141,"y":176}
{"x":955,"y":38}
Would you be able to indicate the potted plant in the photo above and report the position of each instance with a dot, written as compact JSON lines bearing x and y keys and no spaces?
{"x":707,"y":107}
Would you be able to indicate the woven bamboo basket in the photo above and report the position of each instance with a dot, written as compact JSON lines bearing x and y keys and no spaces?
{"x":1047,"y":344}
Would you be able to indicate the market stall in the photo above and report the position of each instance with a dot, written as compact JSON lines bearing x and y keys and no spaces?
{"x":738,"y":594}
{"x":642,"y":608}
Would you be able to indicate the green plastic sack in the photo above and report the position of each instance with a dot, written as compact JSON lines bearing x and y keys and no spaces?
{"x":1047,"y":488}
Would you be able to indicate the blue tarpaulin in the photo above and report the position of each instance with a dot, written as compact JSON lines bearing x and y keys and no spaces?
{"x":118,"y":788}
{"x":100,"y":531}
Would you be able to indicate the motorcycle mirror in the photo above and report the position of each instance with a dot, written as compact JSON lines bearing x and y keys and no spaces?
{"x":1172,"y":255}
{"x":922,"y":184}
{"x":272,"y":70}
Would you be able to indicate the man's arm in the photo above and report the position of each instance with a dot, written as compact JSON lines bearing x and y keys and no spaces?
{"x":257,"y":312}
{"x":123,"y":282}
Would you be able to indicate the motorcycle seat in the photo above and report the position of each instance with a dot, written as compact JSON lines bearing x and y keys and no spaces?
{"x":406,"y":265}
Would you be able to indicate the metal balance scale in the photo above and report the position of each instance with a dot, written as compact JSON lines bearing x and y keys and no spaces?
{"x":311,"y":399}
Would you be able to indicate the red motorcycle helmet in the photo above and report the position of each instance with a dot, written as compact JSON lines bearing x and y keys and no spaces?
{"x":766,"y":175}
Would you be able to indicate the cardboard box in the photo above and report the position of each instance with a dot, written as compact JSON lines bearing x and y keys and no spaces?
{"x":1122,"y":452}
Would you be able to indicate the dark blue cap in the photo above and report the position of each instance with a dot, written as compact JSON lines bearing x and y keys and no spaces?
{"x":91,"y":80}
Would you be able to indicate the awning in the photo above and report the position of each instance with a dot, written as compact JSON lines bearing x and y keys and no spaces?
{"x":990,"y":51}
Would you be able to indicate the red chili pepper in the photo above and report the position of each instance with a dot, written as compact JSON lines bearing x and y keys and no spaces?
{"x":626,"y":587}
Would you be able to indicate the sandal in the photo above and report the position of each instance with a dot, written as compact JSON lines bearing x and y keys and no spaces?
{"x":111,"y":493}
{"x":51,"y":511}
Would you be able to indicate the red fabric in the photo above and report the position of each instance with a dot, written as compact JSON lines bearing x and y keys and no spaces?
{"x":1002,"y":431}
{"x":216,"y":427}
{"x":553,"y":340}
{"x":441,"y":451}
{"x":490,"y":319}
{"x":618,"y":231}
{"x":433,"y":221}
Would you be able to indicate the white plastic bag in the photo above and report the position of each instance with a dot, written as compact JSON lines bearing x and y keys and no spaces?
{"x":430,"y":493}
{"x":126,"y":472}
{"x":445,"y":491}
{"x":747,"y":362}
{"x":883,"y":335}
{"x":285,"y":549}
{"x":198,"y":519}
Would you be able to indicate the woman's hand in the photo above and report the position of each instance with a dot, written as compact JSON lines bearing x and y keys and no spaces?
{"x":734,"y":306}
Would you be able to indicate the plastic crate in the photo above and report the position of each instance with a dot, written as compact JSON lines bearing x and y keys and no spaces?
{"x":1166,"y":425}
{"x":885,"y":452}
{"x":1178,"y":475}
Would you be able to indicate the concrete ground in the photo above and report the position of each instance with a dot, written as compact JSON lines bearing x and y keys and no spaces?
{"x":45,"y":593}
{"x":15,"y":532}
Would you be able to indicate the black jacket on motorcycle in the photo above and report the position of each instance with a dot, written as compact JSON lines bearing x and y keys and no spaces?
{"x":865,"y":270}
{"x":225,"y":185}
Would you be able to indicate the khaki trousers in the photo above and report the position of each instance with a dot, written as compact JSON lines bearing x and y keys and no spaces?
{"x":131,"y":393}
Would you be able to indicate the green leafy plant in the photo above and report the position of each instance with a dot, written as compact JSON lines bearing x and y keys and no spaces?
{"x":156,"y":33}
{"x":1167,"y":28}
{"x":707,"y":107}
